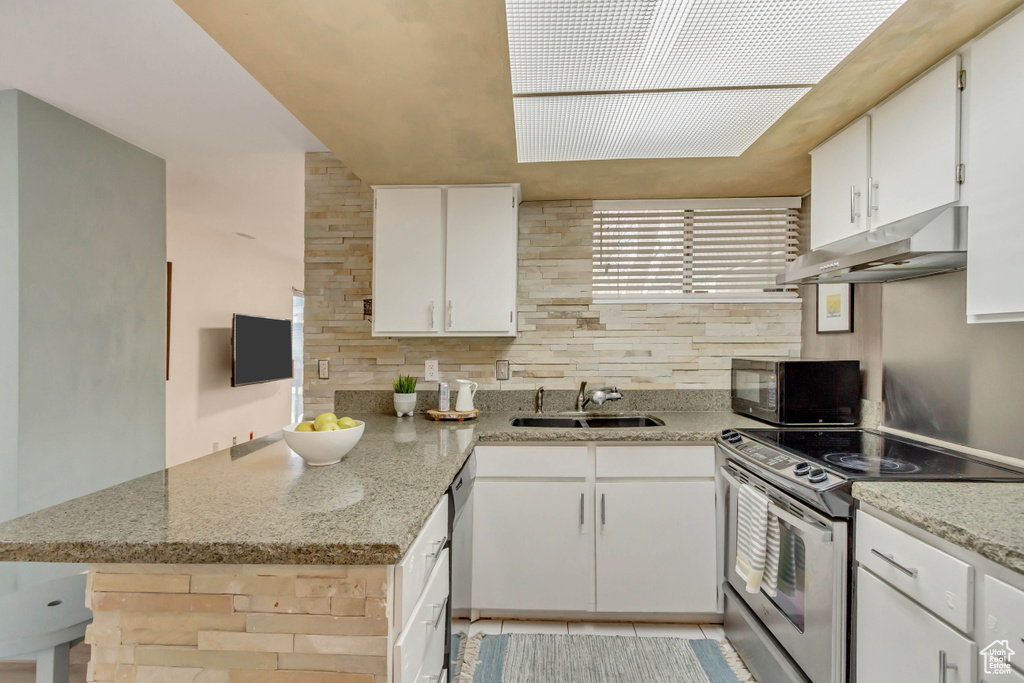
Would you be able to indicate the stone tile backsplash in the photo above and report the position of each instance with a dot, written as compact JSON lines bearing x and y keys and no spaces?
{"x":564,"y":336}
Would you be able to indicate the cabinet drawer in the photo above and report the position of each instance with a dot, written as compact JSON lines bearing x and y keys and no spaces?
{"x":412,"y":572}
{"x":1004,"y":615}
{"x":940,"y":582}
{"x":656,"y":461}
{"x":537,"y":462}
{"x":417,"y":646}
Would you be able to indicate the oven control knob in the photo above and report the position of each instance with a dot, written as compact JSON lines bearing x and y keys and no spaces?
{"x":802,"y":468}
{"x":817,"y":475}
{"x":734,"y":438}
{"x":726,"y":433}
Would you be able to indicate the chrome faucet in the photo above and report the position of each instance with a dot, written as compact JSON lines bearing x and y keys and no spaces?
{"x":539,"y":400}
{"x":597,"y":397}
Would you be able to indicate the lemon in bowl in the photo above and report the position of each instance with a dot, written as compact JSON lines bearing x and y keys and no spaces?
{"x":323,"y":441}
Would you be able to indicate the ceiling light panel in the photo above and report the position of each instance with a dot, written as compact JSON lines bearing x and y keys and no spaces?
{"x":614,"y":45}
{"x":714,"y":123}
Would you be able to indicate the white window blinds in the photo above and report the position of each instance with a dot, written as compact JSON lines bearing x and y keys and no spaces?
{"x":713,"y":248}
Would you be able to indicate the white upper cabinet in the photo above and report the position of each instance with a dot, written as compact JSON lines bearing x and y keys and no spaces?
{"x":480,"y":278}
{"x":915,"y":147}
{"x":445,"y":261}
{"x":408,"y":260}
{"x":839,"y":178}
{"x":901,"y":160}
{"x":995,"y":241}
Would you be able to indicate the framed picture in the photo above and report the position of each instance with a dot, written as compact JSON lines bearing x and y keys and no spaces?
{"x":835,"y":308}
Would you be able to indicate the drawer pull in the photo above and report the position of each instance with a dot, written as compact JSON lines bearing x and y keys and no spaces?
{"x":435,"y":622}
{"x":889,"y":560}
{"x":434,"y":553}
{"x":944,"y":666}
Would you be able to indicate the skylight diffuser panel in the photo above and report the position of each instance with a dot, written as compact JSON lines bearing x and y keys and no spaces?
{"x":714,"y":123}
{"x":614,"y":45}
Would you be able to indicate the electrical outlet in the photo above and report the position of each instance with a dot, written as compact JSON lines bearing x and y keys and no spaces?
{"x":430,"y":372}
{"x":501,"y":370}
{"x":234,"y":441}
{"x":323,"y":369}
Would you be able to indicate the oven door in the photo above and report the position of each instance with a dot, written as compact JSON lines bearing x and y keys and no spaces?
{"x":807,"y":617}
{"x":755,"y":389}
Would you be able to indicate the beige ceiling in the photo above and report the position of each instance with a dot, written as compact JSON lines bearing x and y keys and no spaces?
{"x":419,"y":92}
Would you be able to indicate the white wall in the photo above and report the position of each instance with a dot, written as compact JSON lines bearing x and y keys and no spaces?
{"x":215,"y":275}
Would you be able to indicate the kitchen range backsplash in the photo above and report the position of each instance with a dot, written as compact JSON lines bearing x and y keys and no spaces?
{"x":564,"y":337}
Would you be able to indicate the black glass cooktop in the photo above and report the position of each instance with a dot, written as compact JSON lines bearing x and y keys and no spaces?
{"x":866,"y":454}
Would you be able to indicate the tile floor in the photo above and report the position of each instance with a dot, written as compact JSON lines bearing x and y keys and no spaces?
{"x":494,"y":626}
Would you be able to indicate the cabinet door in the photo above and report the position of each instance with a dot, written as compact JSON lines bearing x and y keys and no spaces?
{"x":995,"y":244}
{"x":532,"y":546}
{"x":839,"y":179}
{"x":656,"y":547}
{"x":408,"y":260}
{"x":915,"y":147}
{"x":897,"y":640}
{"x":482,"y":265}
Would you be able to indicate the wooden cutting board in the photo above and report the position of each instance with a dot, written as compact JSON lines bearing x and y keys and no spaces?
{"x":460,"y":415}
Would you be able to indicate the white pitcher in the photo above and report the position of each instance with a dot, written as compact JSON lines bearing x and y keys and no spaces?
{"x":464,"y":403}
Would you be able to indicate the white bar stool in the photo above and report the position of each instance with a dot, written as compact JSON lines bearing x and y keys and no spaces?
{"x":43,"y":622}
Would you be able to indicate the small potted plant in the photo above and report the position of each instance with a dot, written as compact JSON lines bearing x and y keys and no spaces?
{"x":405,"y":395}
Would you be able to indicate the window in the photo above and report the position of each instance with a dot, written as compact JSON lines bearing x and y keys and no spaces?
{"x":720,"y":249}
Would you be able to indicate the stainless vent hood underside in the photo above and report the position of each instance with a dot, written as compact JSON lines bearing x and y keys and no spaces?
{"x":926,"y":244}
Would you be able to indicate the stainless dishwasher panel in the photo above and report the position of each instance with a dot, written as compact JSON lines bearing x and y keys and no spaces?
{"x":462,"y":539}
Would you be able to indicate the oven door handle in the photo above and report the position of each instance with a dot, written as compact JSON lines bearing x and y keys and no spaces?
{"x":807,"y":528}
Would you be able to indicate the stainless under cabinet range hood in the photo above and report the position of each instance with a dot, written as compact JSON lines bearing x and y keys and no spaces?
{"x":928,"y":243}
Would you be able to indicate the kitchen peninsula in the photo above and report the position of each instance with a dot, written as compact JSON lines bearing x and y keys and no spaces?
{"x":248,"y":565}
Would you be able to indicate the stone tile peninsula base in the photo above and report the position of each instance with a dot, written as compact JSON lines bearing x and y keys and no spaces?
{"x":160,"y":623}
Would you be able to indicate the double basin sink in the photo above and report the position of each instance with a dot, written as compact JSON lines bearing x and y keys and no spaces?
{"x":583,"y":421}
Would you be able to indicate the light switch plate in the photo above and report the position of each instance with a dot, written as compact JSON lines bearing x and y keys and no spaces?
{"x":501,"y":369}
{"x":430,"y":372}
{"x":324,"y":369}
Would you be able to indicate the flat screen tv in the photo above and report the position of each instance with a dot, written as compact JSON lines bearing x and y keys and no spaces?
{"x":261,"y":350}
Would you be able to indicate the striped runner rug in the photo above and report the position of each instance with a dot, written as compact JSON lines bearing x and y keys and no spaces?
{"x":542,"y":658}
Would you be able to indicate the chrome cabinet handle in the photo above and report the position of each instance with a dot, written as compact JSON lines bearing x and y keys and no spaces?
{"x":436,"y":622}
{"x":872,"y":186}
{"x":889,"y":560}
{"x":602,"y":510}
{"x":431,"y":315}
{"x":434,"y":553}
{"x":944,"y":666}
{"x":854,"y":214}
{"x":581,"y":508}
{"x":449,"y":313}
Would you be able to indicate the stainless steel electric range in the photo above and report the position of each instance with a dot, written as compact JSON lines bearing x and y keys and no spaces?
{"x":802,"y":634}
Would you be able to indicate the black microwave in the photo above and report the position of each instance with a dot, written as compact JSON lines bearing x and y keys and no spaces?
{"x":794,"y":391}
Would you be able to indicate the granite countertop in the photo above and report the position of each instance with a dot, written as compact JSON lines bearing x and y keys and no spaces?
{"x":987,"y":518}
{"x":258,"y":503}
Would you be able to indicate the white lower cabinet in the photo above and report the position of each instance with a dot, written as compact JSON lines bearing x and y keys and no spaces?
{"x":536,"y":509}
{"x":656,"y":547}
{"x":419,"y":650}
{"x":533,"y":546}
{"x":897,"y":640}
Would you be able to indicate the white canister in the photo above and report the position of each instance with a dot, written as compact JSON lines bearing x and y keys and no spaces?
{"x":444,"y":397}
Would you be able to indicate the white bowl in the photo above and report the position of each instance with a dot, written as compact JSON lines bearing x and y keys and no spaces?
{"x":323,"y":448}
